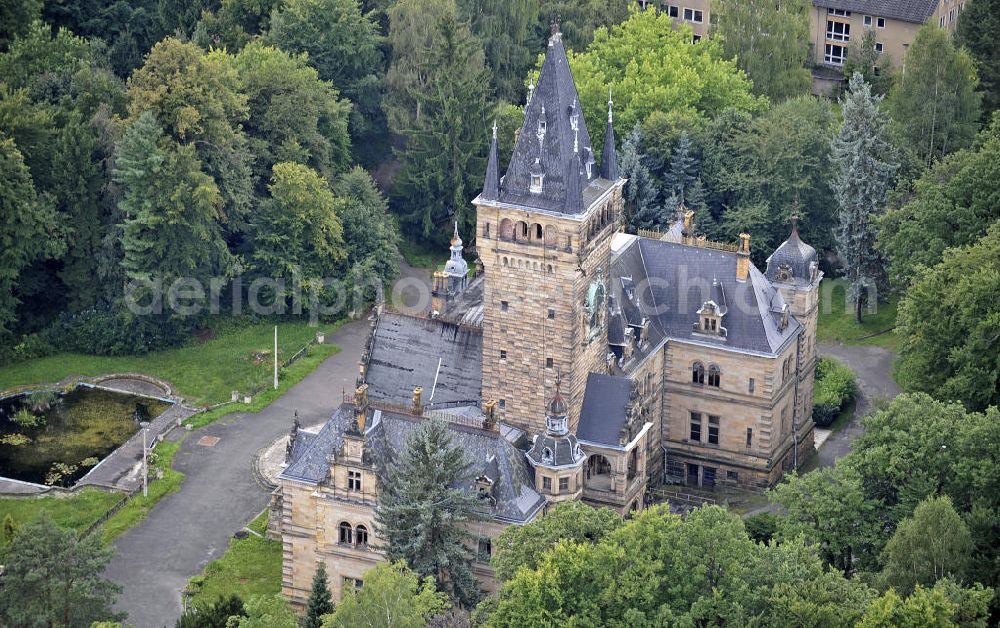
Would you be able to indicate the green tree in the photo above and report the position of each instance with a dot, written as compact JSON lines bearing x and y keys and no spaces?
{"x":978,"y":24}
{"x":370,"y":234}
{"x":934,"y":104}
{"x":578,"y":19}
{"x":642,"y":207}
{"x":297,"y":232}
{"x":38,"y":54}
{"x":197,"y":99}
{"x":446,"y":129}
{"x":214,"y":614}
{"x":320,"y":601}
{"x":422,"y":516}
{"x":829,"y":507}
{"x":522,"y":546}
{"x":952,"y":204}
{"x":770,"y":42}
{"x":293,"y":115}
{"x":171,"y":210}
{"x":874,"y":66}
{"x":948,"y":320}
{"x":943,"y":606}
{"x":345,"y":48}
{"x":864,"y":167}
{"x":234,"y":24}
{"x":683,"y":171}
{"x":265,"y":611}
{"x":52,"y":577}
{"x":693,"y":83}
{"x":26,"y":228}
{"x":507,"y":31}
{"x":393,"y":597}
{"x":932,"y":544}
{"x":16,"y":17}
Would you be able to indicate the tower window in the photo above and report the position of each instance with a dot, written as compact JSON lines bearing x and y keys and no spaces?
{"x":698,"y":373}
{"x":353,"y":480}
{"x":503,"y":354}
{"x":563,"y":484}
{"x":750,"y":385}
{"x":546,"y":484}
{"x":538,"y":231}
{"x":536,"y":184}
{"x":714,"y":375}
{"x":548,"y":363}
{"x":552,"y":313}
{"x":503,"y":403}
{"x":361,"y":536}
{"x":749,"y":437}
{"x":504,"y":306}
{"x":346,"y":533}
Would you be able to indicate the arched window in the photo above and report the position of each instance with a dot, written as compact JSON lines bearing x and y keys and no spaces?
{"x":361,"y":536}
{"x":486,"y":230}
{"x":521,"y":231}
{"x":346,"y":533}
{"x":507,"y":229}
{"x":547,"y":455}
{"x":505,"y":261}
{"x":551,"y":235}
{"x":538,"y":232}
{"x":714,"y":375}
{"x":698,"y":373}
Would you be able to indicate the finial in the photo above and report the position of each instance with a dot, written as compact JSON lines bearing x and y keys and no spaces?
{"x":554,"y":25}
{"x":494,"y":128}
{"x":795,"y":223}
{"x":610,"y":103}
{"x":531,"y":91}
{"x":456,"y":222}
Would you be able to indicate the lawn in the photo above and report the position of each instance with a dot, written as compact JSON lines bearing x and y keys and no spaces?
{"x":836,"y":319}
{"x":250,"y":566}
{"x":201,"y":372}
{"x":422,"y":255}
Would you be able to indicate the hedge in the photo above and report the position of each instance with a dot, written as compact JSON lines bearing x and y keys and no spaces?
{"x":835,"y":387}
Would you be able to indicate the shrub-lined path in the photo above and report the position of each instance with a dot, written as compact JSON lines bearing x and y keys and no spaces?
{"x":219,"y":495}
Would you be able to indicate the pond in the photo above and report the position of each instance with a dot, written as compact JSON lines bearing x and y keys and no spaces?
{"x":65,"y":435}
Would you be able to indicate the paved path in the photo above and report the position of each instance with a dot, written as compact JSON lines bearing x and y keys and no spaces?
{"x":219,"y":495}
{"x":873,"y":367}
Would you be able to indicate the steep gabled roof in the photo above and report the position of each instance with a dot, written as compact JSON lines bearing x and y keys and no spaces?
{"x":553,"y":142}
{"x":916,"y":11}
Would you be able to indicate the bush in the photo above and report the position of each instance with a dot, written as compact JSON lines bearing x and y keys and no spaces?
{"x":835,"y":387}
{"x":97,"y":332}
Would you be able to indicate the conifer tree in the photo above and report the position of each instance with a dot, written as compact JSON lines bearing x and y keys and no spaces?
{"x":422,"y":515}
{"x":683,"y":169}
{"x":320,"y":601}
{"x":642,"y":211}
{"x":864,"y":164}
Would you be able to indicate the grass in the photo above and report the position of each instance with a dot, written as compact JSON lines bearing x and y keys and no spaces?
{"x":290,"y":376}
{"x":78,"y":511}
{"x":422,"y":255}
{"x":202,"y":372}
{"x":836,"y":319}
{"x":250,"y":566}
{"x":138,"y":507}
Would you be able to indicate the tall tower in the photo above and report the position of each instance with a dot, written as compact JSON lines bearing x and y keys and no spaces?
{"x":793,"y":269}
{"x":544,"y":233}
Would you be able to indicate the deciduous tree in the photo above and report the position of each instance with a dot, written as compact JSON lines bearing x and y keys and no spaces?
{"x":770,"y":42}
{"x":932,"y":544}
{"x":978,"y":24}
{"x":393,"y":597}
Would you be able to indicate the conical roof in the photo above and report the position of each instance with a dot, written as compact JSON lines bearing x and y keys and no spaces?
{"x":792,"y":262}
{"x":491,"y":185}
{"x":554,"y":139}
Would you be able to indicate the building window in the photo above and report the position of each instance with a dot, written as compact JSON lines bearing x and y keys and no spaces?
{"x":350,"y":583}
{"x":879,"y":46}
{"x":708,"y":477}
{"x":696,"y":427}
{"x":713,"y":430}
{"x":504,"y":306}
{"x":563,"y":484}
{"x":714,"y":375}
{"x":838,"y":31}
{"x":486,"y":230}
{"x":361,"y":536}
{"x":880,"y":22}
{"x":548,"y":363}
{"x":733,"y":476}
{"x":749,"y":437}
{"x":750,"y":385}
{"x":485,"y":550}
{"x":868,"y":20}
{"x":353,"y":480}
{"x":546,"y":484}
{"x":346,"y":533}
{"x":503,"y":404}
{"x":698,"y":373}
{"x":672,"y":11}
{"x":694,"y":15}
{"x":552,"y":314}
{"x":839,"y":12}
{"x":503,"y":354}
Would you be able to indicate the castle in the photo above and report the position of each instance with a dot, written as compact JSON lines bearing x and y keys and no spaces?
{"x":579,"y":362}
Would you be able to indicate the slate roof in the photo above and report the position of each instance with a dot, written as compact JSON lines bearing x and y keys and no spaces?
{"x":682,"y":280}
{"x":603,"y":414}
{"x":548,"y":144}
{"x":916,"y":11}
{"x":487,"y":453}
{"x":565,"y":451}
{"x":796,"y":256}
{"x":405,"y":354}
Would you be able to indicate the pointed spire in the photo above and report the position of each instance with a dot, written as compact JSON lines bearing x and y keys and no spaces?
{"x":609,"y":158}
{"x":491,"y":186}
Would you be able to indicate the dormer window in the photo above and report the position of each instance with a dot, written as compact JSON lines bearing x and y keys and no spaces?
{"x":547,"y":456}
{"x":784,"y":274}
{"x":536,"y":184}
{"x":710,"y":319}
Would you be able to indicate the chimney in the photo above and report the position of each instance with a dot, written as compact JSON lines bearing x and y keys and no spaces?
{"x":688,"y":233}
{"x":418,"y":405}
{"x":743,"y":258}
{"x":361,"y":406}
{"x":490,"y":420}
